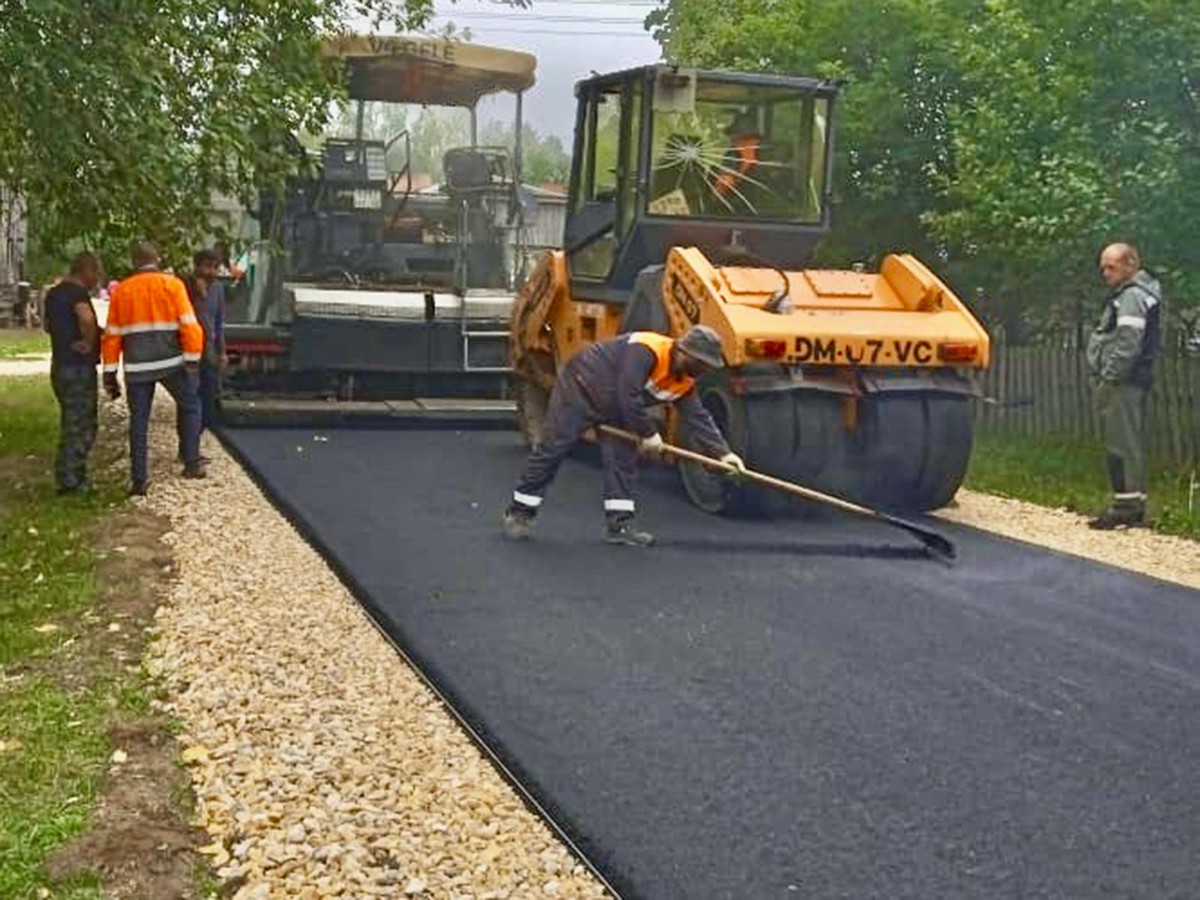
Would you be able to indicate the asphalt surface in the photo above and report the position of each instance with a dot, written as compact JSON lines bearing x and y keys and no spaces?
{"x":777,"y":709}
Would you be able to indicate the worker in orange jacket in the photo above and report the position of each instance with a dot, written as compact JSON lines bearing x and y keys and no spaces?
{"x":152,"y":326}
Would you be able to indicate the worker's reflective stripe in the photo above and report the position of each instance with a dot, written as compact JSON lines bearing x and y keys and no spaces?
{"x":153,"y":365}
{"x":527,"y":500}
{"x":659,"y":394}
{"x":142,"y":327}
{"x":188,"y":319}
{"x":151,"y":346}
{"x":618,"y":506}
{"x":1134,"y":496}
{"x":1136,"y":322}
{"x":662,"y":384}
{"x":191,"y":357}
{"x":111,"y":367}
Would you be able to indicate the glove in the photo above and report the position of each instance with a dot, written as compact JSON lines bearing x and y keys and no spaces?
{"x":732,"y":459}
{"x":653,"y":445}
{"x":111,"y":386}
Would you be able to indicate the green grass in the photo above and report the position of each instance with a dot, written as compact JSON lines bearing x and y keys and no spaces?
{"x":49,"y":784}
{"x":22,"y":342}
{"x":1067,"y":472}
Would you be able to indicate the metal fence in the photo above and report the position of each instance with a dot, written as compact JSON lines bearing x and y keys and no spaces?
{"x":1045,"y":390}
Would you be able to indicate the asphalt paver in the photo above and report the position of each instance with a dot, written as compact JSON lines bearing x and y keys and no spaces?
{"x":776,"y":709}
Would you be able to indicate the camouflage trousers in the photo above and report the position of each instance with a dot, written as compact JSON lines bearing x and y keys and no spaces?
{"x":75,"y":387}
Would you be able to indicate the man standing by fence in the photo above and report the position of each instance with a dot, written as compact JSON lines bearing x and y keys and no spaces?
{"x":1121,"y":353}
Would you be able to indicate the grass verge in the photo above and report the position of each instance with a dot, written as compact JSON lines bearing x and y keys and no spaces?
{"x":23,"y":342}
{"x":70,"y":680}
{"x":1065,"y":472}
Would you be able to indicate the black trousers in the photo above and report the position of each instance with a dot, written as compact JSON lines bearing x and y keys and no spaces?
{"x":181,"y":384}
{"x":568,"y":416}
{"x":75,"y":388}
{"x":210,"y":390}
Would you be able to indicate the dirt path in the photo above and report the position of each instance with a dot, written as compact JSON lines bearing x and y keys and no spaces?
{"x":18,"y":368}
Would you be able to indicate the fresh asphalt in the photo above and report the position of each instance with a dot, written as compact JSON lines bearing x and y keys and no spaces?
{"x":797,"y":708}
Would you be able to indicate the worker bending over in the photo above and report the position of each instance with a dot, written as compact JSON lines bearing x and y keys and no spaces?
{"x":613,"y":383}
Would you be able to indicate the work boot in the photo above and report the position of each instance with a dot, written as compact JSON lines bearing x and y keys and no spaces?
{"x":82,"y":489}
{"x":1119,"y":517}
{"x":517,"y":524}
{"x":195,"y":472}
{"x":623,"y":531}
{"x":139,"y":489}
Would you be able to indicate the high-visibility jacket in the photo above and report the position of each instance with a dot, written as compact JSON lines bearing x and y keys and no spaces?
{"x":746,"y":148}
{"x":662,"y":385}
{"x":152,"y":324}
{"x":617,"y":380}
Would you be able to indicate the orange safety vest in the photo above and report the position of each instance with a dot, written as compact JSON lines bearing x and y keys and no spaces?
{"x":747,"y":151}
{"x":151,"y":324}
{"x":662,"y":385}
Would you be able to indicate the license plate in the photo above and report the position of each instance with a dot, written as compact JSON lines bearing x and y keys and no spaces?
{"x":868,"y":352}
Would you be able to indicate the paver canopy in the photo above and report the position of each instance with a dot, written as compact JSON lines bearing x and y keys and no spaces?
{"x":429,"y":71}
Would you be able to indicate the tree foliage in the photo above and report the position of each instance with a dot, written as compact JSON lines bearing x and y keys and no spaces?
{"x":122,"y":118}
{"x":1004,"y":141}
{"x":434,"y":130}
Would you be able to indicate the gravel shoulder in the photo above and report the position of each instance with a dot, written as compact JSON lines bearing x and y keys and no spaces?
{"x":322,"y":764}
{"x":1161,"y":556}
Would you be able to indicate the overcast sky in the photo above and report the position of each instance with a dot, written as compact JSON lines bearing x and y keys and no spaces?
{"x":570,"y":39}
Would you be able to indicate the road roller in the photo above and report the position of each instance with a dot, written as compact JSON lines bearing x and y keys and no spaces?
{"x":700,"y":197}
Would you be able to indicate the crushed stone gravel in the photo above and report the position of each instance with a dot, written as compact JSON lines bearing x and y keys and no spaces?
{"x":1162,"y":556}
{"x":322,"y":765}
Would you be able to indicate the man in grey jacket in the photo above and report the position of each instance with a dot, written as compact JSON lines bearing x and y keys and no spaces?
{"x":1121,"y":354}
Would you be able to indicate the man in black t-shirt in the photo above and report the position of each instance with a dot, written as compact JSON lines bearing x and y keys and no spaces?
{"x":75,"y":347}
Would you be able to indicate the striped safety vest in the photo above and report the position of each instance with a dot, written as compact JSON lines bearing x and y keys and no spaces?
{"x":662,"y":386}
{"x":152,"y":324}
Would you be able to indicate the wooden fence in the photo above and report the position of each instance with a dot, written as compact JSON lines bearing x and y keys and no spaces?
{"x":1045,"y":390}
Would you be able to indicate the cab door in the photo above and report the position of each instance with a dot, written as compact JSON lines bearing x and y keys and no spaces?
{"x":604,"y":184}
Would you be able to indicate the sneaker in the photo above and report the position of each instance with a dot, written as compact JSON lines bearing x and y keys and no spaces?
{"x":1115,"y":517}
{"x":517,"y":525}
{"x":194,"y":472}
{"x":626,"y":534}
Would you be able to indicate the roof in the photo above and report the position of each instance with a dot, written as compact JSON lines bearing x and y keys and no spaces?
{"x":429,"y":71}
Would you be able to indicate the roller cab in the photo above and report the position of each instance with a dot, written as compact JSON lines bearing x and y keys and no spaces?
{"x":699,"y":197}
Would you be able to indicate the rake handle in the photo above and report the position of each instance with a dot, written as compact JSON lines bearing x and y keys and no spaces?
{"x":934,"y":543}
{"x":789,"y":487}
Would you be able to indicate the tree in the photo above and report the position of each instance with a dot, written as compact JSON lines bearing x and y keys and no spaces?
{"x":434,"y":130}
{"x":1004,"y":141}
{"x":898,"y":79}
{"x":121,"y":119}
{"x":1081,"y":128}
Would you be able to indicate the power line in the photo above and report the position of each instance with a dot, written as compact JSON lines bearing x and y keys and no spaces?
{"x":537,"y":20}
{"x":563,"y":32}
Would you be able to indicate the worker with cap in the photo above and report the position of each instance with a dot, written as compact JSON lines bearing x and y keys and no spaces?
{"x":733,"y":176}
{"x":1121,"y":354}
{"x":615,"y":382}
